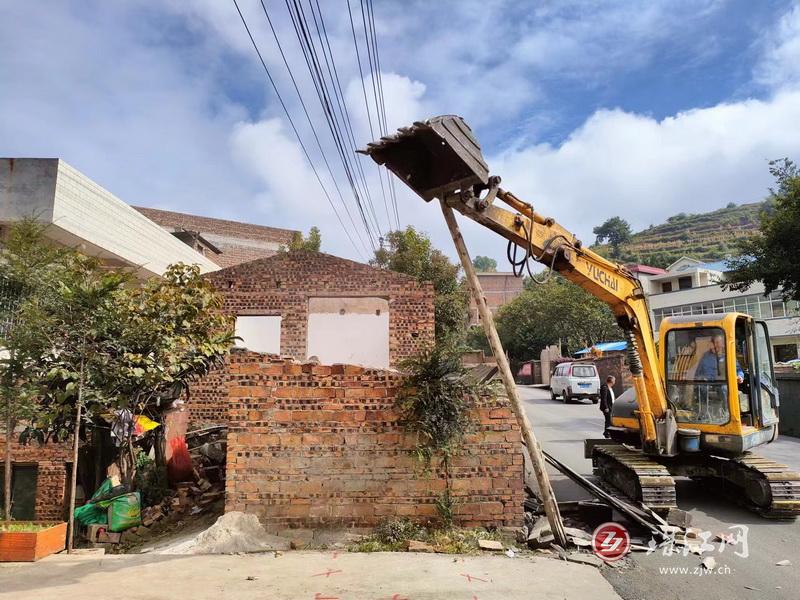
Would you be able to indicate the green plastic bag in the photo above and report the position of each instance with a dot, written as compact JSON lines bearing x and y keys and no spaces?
{"x":124,"y":512}
{"x":93,"y":513}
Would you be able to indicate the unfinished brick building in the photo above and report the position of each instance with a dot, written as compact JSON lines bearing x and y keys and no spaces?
{"x":316,"y":441}
{"x":225,"y":242}
{"x":310,"y":304}
{"x":320,"y":445}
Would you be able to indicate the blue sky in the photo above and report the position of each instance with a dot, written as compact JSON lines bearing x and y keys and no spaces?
{"x":587,"y":109}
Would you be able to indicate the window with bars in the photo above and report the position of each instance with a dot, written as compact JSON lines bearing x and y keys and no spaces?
{"x":755,"y":305}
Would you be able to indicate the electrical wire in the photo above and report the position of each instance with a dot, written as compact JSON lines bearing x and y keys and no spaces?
{"x":377,"y":97}
{"x":294,"y":128}
{"x":344,"y":113}
{"x":369,"y":115}
{"x":309,"y":49}
{"x":308,"y":119}
{"x":379,"y":71}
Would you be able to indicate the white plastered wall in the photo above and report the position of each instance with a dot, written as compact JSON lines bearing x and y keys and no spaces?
{"x":259,"y":333}
{"x":349,"y":330}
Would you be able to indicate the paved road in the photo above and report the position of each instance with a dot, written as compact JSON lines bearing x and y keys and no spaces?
{"x":302,"y":576}
{"x":561,"y":429}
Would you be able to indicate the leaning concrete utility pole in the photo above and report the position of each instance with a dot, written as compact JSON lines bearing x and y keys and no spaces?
{"x":537,"y":458}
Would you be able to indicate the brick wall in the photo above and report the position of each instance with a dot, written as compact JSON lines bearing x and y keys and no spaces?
{"x":498,"y":289}
{"x":282,"y":285}
{"x":313,"y":445}
{"x":208,"y":403}
{"x":614,"y":364}
{"x":51,"y":484}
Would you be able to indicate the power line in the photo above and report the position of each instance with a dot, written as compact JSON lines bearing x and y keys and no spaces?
{"x":377,"y":97}
{"x":383,"y":102}
{"x":308,"y":118}
{"x":309,"y":49}
{"x":366,"y":107}
{"x":348,"y":121}
{"x":294,"y":129}
{"x":341,"y":103}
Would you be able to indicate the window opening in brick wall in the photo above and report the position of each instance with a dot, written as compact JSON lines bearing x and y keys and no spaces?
{"x":259,"y":333}
{"x":349,"y":330}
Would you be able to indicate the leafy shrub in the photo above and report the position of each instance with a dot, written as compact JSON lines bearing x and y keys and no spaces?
{"x":150,"y":480}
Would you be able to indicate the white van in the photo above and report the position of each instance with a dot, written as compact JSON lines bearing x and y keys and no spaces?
{"x":575,"y":380}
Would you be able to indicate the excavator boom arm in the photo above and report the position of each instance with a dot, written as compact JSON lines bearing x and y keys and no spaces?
{"x":440,"y":158}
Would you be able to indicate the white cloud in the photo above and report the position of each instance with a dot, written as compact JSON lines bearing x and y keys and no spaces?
{"x":619,"y":163}
{"x":285,"y":183}
{"x":780,"y":66}
{"x":167,"y":105}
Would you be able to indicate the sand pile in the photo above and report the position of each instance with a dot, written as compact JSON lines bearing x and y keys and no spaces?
{"x":233,"y":532}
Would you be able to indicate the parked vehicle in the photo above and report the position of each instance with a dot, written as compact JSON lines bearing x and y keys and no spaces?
{"x":572,"y":380}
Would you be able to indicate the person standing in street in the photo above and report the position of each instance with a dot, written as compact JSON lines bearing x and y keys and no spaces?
{"x":607,"y":402}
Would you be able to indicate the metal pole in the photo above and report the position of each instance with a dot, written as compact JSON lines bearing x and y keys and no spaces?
{"x":539,"y":467}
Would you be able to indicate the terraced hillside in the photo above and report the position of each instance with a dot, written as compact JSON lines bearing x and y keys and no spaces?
{"x":705,"y":236}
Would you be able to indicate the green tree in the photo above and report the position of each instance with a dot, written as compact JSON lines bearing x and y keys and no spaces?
{"x":412,"y":253}
{"x":86,"y":340}
{"x":28,"y":268}
{"x":557,"y":311}
{"x":616,"y":231}
{"x":484,"y":264}
{"x":772,"y":256}
{"x":312,"y":242}
{"x":171,"y":332}
{"x":72,"y":326}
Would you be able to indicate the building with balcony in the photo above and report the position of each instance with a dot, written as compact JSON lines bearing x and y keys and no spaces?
{"x":693,"y":287}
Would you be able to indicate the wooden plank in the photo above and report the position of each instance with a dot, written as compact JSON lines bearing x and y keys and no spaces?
{"x":535,"y":451}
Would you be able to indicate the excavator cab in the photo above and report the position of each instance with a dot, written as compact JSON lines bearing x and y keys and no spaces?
{"x":719,"y":379}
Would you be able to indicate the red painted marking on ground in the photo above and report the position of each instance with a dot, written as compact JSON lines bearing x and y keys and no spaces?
{"x":395,"y":597}
{"x":319,"y":596}
{"x":472,"y":578}
{"x":328,"y":573}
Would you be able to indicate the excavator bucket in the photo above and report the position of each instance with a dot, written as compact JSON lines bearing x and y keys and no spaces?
{"x":434,"y":158}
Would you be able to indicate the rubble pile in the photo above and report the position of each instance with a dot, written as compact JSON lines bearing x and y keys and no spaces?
{"x":186,"y":501}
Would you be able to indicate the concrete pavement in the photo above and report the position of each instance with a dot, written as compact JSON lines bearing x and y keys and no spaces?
{"x":561,"y":429}
{"x":303,"y":576}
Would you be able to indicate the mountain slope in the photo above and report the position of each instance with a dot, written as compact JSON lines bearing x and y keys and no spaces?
{"x":705,"y":236}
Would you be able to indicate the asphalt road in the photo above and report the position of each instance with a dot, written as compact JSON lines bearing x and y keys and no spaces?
{"x":561,"y":429}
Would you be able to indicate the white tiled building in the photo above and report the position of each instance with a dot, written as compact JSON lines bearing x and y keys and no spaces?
{"x":80,"y":213}
{"x":692,"y":287}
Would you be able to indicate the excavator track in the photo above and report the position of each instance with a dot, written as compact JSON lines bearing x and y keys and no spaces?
{"x":762,"y":485}
{"x":637,"y":476}
{"x":771,"y":489}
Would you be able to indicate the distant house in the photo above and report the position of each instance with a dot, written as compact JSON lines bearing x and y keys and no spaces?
{"x":225,"y":242}
{"x":498,"y":289}
{"x":693,"y":287}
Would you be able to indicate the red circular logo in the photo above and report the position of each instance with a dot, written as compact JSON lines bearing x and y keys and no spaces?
{"x":611,"y":541}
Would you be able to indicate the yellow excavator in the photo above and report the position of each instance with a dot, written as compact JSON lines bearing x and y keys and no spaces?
{"x":696,"y":409}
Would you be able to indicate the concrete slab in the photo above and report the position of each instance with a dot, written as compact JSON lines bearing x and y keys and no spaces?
{"x":301,"y":575}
